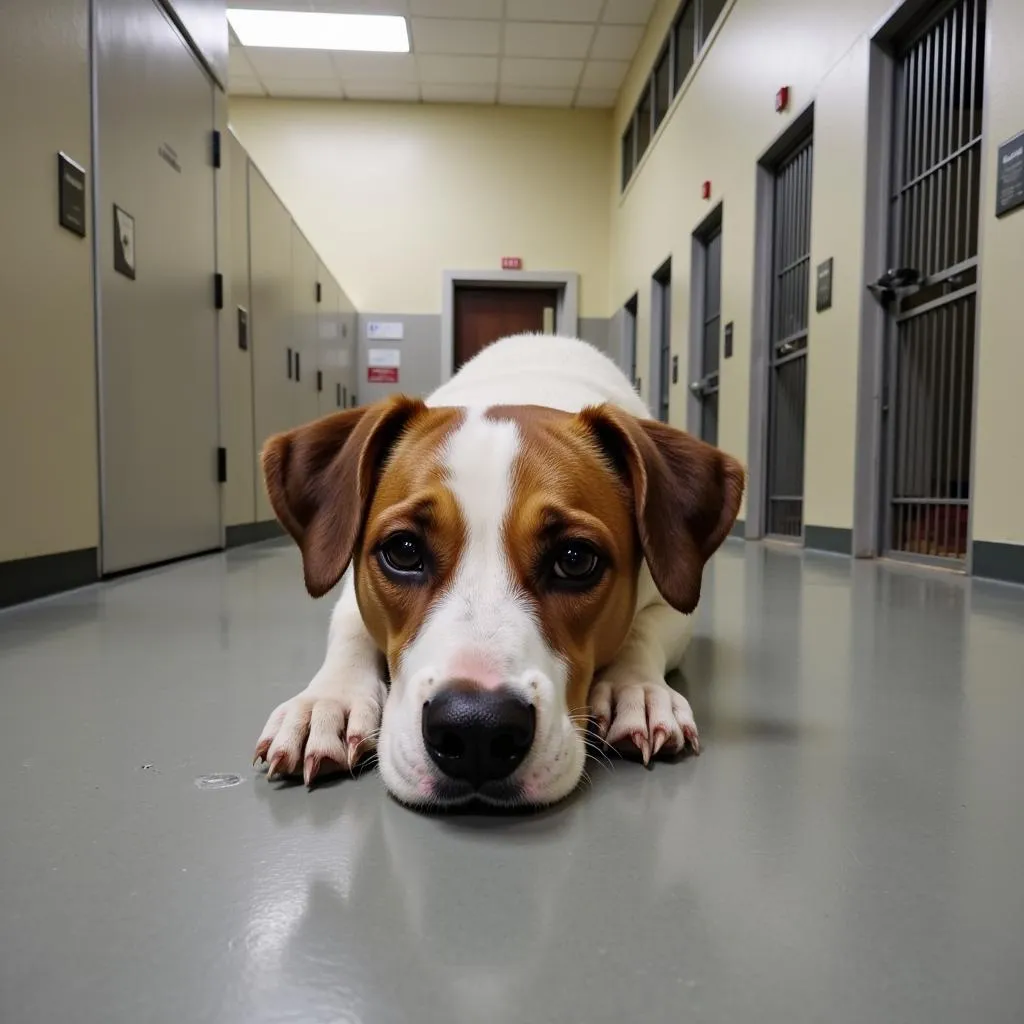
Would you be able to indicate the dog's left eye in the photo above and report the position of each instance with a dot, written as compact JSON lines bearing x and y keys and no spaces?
{"x":402,"y":554}
{"x":576,"y":563}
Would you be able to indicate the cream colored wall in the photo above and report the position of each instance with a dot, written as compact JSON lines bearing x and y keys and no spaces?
{"x":719,"y":127}
{"x":999,"y":468}
{"x":48,"y":495}
{"x":391,"y":195}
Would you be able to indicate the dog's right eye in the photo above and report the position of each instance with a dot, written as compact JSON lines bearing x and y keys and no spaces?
{"x":402,"y":556}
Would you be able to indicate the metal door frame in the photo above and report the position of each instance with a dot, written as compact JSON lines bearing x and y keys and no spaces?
{"x":627,"y":350}
{"x":869,"y":491}
{"x":761,"y":318}
{"x":710,"y":226}
{"x":659,"y":387}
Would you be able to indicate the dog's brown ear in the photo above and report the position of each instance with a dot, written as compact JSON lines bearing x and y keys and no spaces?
{"x":320,"y":479}
{"x":686,"y":496}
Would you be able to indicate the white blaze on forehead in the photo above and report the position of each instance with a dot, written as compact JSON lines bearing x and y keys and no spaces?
{"x":483,"y":619}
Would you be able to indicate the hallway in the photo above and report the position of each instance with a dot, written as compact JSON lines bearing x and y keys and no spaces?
{"x":847,"y":848}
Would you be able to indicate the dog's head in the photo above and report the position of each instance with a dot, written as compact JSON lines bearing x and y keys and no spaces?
{"x":496,"y":556}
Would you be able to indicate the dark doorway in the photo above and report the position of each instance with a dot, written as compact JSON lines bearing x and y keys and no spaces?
{"x":483,"y":315}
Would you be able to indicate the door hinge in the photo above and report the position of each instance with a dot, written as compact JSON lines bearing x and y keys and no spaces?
{"x":222,"y":465}
{"x":218,"y":291}
{"x":215,"y":149}
{"x":319,"y":380}
{"x":319,"y":292}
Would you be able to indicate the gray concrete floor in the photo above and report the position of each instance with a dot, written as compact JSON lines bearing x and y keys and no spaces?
{"x":849,"y":848}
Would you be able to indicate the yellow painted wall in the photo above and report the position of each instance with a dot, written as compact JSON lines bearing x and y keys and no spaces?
{"x":720,"y":126}
{"x":391,"y":195}
{"x":722,"y":123}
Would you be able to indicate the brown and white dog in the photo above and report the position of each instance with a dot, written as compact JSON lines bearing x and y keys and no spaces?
{"x":520,"y":555}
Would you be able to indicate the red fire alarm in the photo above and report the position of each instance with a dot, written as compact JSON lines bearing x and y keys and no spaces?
{"x":705,"y":190}
{"x":511,"y":263}
{"x":782,"y":99}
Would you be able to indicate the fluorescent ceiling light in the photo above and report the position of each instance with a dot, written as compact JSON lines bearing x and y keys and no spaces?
{"x":305,"y":30}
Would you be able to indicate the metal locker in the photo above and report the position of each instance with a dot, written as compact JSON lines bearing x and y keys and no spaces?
{"x":787,"y":387}
{"x":271,"y":321}
{"x":350,"y":348}
{"x":930,"y":293}
{"x":328,"y":319}
{"x":156,"y":260}
{"x":304,"y":329}
{"x":707,"y":299}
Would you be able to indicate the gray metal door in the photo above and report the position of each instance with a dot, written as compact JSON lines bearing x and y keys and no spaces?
{"x":787,"y":382}
{"x":629,"y":312}
{"x":156,"y":262}
{"x":705,"y":387}
{"x":931,"y":290}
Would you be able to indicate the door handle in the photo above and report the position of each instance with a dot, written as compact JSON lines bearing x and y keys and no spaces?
{"x":289,"y":364}
{"x":697,"y":389}
{"x":895,"y":280}
{"x":298,"y":369}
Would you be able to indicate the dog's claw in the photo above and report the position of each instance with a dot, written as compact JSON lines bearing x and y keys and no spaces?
{"x":659,"y":736}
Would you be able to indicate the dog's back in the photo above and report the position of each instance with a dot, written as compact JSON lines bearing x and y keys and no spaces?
{"x":540,"y":369}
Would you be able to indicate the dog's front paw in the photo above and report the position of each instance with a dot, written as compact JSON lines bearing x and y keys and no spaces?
{"x":644,"y":718}
{"x":320,"y":735}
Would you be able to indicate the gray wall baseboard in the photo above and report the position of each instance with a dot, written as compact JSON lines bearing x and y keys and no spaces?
{"x":992,"y":560}
{"x":252,"y":533}
{"x":739,"y":529}
{"x":27,"y":579}
{"x":835,"y":539}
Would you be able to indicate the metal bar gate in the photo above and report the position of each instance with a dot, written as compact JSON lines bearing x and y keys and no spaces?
{"x":705,"y":388}
{"x":932,"y":289}
{"x":787,"y":385}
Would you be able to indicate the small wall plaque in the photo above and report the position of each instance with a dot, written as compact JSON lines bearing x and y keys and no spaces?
{"x":823,"y":298}
{"x":71,"y":194}
{"x":1010,"y":175}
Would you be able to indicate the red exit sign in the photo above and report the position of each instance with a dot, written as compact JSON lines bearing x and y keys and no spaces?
{"x":511,"y":263}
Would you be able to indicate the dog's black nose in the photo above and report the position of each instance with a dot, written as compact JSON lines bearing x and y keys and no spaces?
{"x":478,"y":736}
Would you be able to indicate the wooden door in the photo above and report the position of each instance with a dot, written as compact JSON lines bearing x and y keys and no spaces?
{"x":483,"y":315}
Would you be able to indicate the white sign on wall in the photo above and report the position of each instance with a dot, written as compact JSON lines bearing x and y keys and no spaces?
{"x":384,"y":357}
{"x":390,"y":330}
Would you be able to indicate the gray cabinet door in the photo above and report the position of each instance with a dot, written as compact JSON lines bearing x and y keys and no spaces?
{"x":328,"y":320}
{"x":304,"y":327}
{"x":271,"y":322}
{"x":157,"y":338}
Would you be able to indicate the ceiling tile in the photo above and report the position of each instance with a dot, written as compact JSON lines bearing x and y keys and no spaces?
{"x":627,"y":12}
{"x":273,"y":5}
{"x":604,"y":74}
{"x":544,"y":74}
{"x":537,"y":39}
{"x":457,"y":8}
{"x":381,"y":67}
{"x":597,"y":97}
{"x":553,"y":10}
{"x":358,"y":6}
{"x":458,"y":70}
{"x":526,"y":96}
{"x":452,"y":35}
{"x":459,"y":93}
{"x":299,"y":88}
{"x":616,"y":42}
{"x":306,"y":64}
{"x":394,"y":91}
{"x":246,"y":87}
